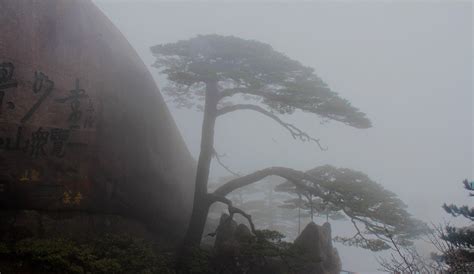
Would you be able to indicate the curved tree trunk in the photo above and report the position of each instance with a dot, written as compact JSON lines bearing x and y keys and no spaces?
{"x":201,"y":203}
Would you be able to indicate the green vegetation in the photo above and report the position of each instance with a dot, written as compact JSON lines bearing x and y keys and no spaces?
{"x":126,"y":254}
{"x":460,"y":254}
{"x":107,"y":254}
{"x":264,"y":253}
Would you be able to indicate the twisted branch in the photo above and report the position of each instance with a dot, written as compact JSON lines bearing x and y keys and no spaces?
{"x":295,"y":176}
{"x":300,"y":180}
{"x":408,"y":265}
{"x":218,"y":158}
{"x":232,"y":210}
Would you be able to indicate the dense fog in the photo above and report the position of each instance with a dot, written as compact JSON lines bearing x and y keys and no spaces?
{"x":407,"y":65}
{"x":257,"y":137}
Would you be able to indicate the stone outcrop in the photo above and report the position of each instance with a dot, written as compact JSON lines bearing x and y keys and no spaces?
{"x":83,"y":127}
{"x":230,"y":235}
{"x":311,"y":253}
{"x":316,"y":242}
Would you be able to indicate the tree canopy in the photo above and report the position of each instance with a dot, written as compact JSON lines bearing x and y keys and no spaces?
{"x":465,"y":211}
{"x":381,"y":213}
{"x":249,"y":67}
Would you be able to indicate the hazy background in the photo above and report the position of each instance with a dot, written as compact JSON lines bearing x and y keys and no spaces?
{"x":407,"y":65}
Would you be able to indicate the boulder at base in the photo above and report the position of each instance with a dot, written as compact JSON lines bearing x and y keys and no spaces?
{"x":316,"y":242}
{"x":83,"y":126}
{"x":311,"y":253}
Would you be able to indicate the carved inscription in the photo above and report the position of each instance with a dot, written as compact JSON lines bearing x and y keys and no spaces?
{"x":75,"y":103}
{"x":44,"y":85}
{"x":42,"y":142}
{"x":32,"y":139}
{"x":6,"y":82}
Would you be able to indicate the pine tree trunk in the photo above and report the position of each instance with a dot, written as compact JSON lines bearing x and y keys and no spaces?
{"x":299,"y":214}
{"x":201,"y":203}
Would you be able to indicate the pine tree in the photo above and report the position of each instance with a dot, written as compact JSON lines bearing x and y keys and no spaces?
{"x":461,"y":257}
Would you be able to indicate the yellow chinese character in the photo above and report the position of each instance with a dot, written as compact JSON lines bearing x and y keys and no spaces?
{"x":35,"y":175}
{"x":78,"y":198}
{"x":66,"y":198}
{"x":24,"y":177}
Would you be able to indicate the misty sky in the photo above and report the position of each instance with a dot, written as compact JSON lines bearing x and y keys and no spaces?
{"x":407,"y":65}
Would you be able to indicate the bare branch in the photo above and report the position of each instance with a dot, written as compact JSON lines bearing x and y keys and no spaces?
{"x":358,"y":230}
{"x":218,"y":158}
{"x":408,"y":265}
{"x":295,"y":132}
{"x":373,"y":228}
{"x":409,"y":260}
{"x":233,"y":210}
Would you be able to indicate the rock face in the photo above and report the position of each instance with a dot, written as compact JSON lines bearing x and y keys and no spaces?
{"x":316,"y":241}
{"x":229,"y":236}
{"x":83,"y":126}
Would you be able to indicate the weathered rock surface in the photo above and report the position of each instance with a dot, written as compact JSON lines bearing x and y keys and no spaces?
{"x":83,"y":126}
{"x":316,"y":242}
{"x":229,"y":236}
{"x":312,"y":252}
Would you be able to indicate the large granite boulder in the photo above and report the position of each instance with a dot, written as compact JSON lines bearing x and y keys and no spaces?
{"x":83,"y":126}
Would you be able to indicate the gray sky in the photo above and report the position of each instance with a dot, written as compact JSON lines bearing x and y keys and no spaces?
{"x":407,"y":65}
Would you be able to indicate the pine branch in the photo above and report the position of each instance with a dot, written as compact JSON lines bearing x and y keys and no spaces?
{"x":295,"y":132}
